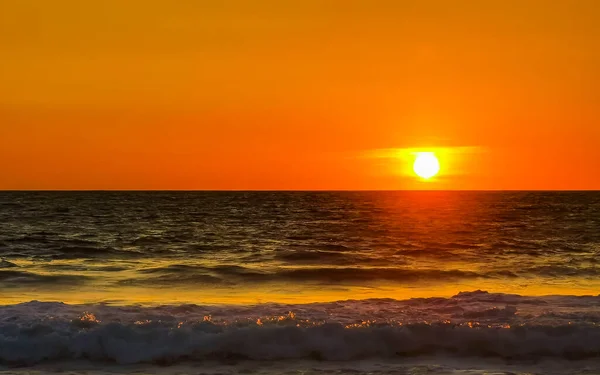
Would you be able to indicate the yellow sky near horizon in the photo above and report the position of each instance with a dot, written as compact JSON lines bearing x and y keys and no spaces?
{"x":298,"y":94}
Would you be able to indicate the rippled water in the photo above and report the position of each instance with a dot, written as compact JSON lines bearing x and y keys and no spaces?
{"x":283,"y":246}
{"x":301,"y":282}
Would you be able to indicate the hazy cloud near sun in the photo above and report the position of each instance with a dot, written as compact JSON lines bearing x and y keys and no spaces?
{"x":398,"y":153}
{"x":454,"y":161}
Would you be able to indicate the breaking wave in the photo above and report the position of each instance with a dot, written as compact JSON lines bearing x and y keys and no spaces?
{"x":473,"y":324}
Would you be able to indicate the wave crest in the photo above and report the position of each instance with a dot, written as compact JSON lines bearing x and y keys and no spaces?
{"x":159,"y":343}
{"x":473,"y":324}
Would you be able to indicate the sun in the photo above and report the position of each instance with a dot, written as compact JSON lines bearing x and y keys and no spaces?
{"x":426,"y":165}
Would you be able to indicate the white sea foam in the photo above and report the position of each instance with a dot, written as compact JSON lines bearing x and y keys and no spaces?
{"x":475,"y":325}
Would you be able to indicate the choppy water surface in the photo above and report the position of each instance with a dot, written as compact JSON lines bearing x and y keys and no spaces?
{"x":142,"y":278}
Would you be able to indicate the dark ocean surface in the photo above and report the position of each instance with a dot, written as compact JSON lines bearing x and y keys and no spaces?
{"x":136,"y":278}
{"x":266,"y":245}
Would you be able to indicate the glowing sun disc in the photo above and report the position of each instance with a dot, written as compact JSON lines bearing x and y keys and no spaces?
{"x":426,"y":165}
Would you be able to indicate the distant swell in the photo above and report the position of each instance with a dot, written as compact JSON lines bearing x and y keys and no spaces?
{"x":80,"y":251}
{"x":369,"y":274}
{"x":6,"y":264}
{"x":16,"y":278}
{"x":224,"y":274}
{"x":190,"y":274}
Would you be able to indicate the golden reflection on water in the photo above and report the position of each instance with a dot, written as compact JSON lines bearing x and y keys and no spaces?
{"x":203,"y":294}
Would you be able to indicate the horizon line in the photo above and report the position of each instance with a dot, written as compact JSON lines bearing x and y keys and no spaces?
{"x":292,"y":190}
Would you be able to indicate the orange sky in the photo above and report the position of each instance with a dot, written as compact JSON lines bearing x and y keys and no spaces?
{"x":307,"y":94}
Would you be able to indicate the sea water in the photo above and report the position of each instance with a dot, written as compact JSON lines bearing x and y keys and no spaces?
{"x":300,"y":282}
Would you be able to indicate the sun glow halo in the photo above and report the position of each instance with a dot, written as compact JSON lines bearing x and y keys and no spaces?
{"x":426,"y":165}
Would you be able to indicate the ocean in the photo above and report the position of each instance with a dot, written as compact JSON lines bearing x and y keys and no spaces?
{"x":424,"y":282}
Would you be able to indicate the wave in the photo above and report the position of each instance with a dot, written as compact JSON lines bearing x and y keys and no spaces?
{"x":39,"y":247}
{"x":334,"y":247}
{"x":190,"y":274}
{"x":26,"y":239}
{"x":473,"y":324}
{"x":7,"y":264}
{"x":563,"y":271}
{"x":158,"y":343}
{"x":13,"y":278}
{"x":369,"y":274}
{"x":181,"y":273}
{"x":81,"y":251}
{"x":12,"y":205}
{"x":82,"y":267}
{"x":309,"y":257}
{"x":185,"y":269}
{"x":312,"y":256}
